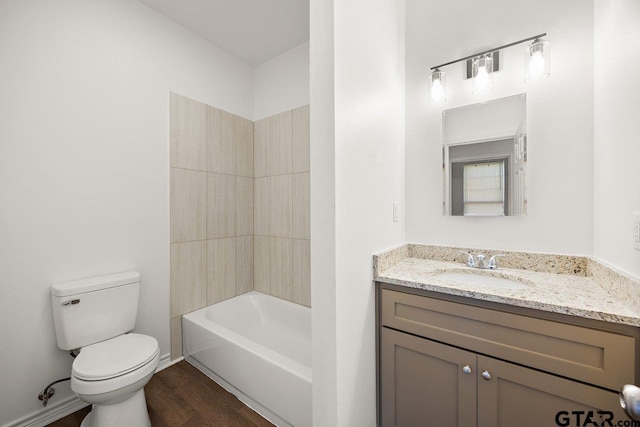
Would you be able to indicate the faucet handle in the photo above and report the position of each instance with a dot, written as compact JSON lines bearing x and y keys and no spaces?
{"x":492,"y":261}
{"x":471,"y":262}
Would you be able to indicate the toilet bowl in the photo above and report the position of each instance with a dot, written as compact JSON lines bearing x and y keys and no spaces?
{"x":96,"y":316}
{"x":111,"y":375}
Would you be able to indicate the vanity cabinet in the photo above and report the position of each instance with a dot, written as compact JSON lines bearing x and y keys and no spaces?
{"x":423,"y":383}
{"x":444,"y":363}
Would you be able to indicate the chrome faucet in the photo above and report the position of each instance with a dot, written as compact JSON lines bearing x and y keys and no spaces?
{"x":492,"y":262}
{"x":480,"y":261}
{"x":471,"y":261}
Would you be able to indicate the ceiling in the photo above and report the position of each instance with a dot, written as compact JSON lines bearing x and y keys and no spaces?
{"x":254,"y":31}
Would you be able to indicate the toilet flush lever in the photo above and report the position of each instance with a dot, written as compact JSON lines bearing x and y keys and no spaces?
{"x":71,"y":302}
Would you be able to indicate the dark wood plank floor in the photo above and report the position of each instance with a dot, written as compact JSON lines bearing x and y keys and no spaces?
{"x":182,"y":396}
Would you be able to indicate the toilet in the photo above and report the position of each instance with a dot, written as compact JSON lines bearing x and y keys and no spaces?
{"x":95,"y":317}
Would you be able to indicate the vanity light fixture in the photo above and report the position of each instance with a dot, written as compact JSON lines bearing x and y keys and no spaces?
{"x":437,"y":86}
{"x":482,"y":72}
{"x":536,"y":57}
{"x":484,"y":64}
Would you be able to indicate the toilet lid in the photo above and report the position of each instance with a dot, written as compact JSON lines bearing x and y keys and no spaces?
{"x":114,"y":357}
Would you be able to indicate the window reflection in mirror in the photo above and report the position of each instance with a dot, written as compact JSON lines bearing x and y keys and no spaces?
{"x":484,"y":158}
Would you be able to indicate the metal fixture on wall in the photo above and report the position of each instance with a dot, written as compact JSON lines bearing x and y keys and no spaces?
{"x":536,"y":59}
{"x":481,"y":66}
{"x":482,"y":74}
{"x":437,"y":86}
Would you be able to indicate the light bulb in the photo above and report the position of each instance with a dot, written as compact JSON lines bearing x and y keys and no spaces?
{"x":536,"y":65}
{"x":482,"y":79}
{"x":437,"y":87}
{"x":482,"y":67}
{"x":437,"y":92}
{"x":537,"y":60}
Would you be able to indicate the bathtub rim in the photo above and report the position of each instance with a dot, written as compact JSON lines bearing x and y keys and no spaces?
{"x":292,"y":366}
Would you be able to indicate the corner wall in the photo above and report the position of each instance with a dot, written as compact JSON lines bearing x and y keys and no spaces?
{"x":84,"y":166}
{"x":323,"y":222}
{"x":357,"y":128}
{"x":617,"y":130}
{"x":282,"y":83}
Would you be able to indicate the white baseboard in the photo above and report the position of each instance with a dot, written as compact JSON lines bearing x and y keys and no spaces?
{"x":165,"y":362}
{"x":52,"y":412}
{"x":55,"y":411}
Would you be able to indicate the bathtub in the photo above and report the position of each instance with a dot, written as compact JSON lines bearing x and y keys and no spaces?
{"x":258,"y":347}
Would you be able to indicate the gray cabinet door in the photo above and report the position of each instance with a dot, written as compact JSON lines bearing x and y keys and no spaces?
{"x":423,"y":383}
{"x":513,"y":395}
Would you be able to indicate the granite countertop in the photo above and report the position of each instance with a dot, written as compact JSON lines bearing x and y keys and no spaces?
{"x":577,"y":291}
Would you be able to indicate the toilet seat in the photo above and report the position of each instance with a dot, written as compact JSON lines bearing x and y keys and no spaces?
{"x":114,"y":357}
{"x":114,"y":364}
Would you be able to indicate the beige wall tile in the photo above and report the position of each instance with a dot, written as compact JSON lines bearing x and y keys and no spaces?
{"x":262,"y":264}
{"x":221,"y":205}
{"x":188,"y":205}
{"x":176,"y":337}
{"x":249,"y":222}
{"x":301,"y":207}
{"x":301,"y":139}
{"x":273,"y":145}
{"x":221,"y":149}
{"x":261,"y":129}
{"x":188,"y":133}
{"x":244,"y":206}
{"x":262,"y":206}
{"x":244,"y":264}
{"x":302,"y":271}
{"x":188,"y":277}
{"x":280,"y":144}
{"x":281,"y":205}
{"x":221,"y":269}
{"x":244,"y":146}
{"x":282,"y":267}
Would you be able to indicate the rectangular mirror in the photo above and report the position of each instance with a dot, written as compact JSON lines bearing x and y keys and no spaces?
{"x":484,"y":161}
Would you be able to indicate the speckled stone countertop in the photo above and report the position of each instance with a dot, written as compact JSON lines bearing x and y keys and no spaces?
{"x":576,"y":286}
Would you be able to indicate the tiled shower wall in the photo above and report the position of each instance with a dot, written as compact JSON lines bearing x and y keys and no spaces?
{"x":213,"y":203}
{"x":281,"y":218}
{"x":211,"y":208}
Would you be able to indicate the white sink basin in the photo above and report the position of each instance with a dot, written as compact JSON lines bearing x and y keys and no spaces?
{"x":482,"y":280}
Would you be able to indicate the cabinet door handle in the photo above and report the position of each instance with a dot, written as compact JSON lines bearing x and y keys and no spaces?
{"x":466,"y":369}
{"x":486,"y":375}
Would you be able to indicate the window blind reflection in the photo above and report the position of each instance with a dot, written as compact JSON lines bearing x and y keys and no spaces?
{"x":483,"y":186}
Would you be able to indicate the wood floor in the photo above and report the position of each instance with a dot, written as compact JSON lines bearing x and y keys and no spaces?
{"x":182,"y":396}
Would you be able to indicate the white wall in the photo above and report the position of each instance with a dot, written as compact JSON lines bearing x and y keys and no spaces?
{"x":359,"y":167}
{"x":84,"y":165}
{"x":617,"y":130}
{"x":495,"y":119}
{"x":559,"y":120}
{"x":282,"y":83}
{"x":323,"y":220}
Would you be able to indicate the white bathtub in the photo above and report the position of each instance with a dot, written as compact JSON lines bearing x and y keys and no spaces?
{"x":258,"y":347}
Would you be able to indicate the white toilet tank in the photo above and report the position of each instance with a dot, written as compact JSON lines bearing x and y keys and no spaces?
{"x":92,"y":310}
